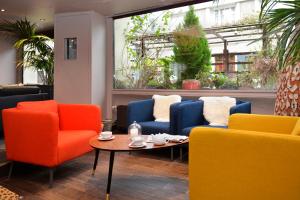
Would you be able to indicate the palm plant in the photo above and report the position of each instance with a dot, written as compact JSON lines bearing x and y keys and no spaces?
{"x":36,"y":49}
{"x":285,"y":22}
{"x":282,"y":19}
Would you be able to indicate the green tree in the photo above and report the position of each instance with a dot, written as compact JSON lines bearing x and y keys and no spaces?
{"x":191,"y":19}
{"x":191,"y":46}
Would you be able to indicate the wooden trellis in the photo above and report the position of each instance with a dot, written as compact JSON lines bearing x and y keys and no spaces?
{"x":216,"y":35}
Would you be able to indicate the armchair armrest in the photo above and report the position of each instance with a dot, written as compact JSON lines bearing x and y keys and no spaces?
{"x":241,"y":107}
{"x":189,"y":114}
{"x":264,"y":123}
{"x":31,"y":137}
{"x":174,"y":116}
{"x":80,"y":117}
{"x":140,"y":111}
{"x":235,"y":164}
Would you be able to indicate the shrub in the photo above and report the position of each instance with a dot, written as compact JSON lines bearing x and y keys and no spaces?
{"x":191,"y":47}
{"x":218,"y":79}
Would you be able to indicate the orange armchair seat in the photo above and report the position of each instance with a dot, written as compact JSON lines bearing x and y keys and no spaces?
{"x":47,"y":133}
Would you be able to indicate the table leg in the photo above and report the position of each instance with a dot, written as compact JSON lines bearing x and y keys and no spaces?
{"x":111,"y":165}
{"x":172,"y":153}
{"x":95,"y":161}
{"x":181,"y":153}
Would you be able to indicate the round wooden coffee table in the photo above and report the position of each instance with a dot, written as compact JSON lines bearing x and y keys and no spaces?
{"x":119,"y":144}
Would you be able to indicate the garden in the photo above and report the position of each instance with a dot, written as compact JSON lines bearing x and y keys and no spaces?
{"x":155,"y":55}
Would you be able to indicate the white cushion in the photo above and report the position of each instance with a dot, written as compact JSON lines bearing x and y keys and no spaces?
{"x":161,"y":109}
{"x":216,"y":110}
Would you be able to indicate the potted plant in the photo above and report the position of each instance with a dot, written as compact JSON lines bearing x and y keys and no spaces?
{"x":218,"y":80}
{"x":191,"y":49}
{"x":35,"y":48}
{"x":284,"y":22}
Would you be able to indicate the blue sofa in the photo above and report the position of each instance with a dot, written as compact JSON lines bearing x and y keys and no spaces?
{"x":142,"y":112}
{"x":190,"y":115}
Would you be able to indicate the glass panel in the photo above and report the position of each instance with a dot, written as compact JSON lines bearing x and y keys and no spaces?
{"x":162,"y":49}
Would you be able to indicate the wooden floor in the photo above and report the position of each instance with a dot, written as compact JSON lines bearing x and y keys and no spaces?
{"x":139,"y":176}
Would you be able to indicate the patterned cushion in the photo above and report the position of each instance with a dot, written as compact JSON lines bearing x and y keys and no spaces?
{"x":6,"y":194}
{"x":153,"y":127}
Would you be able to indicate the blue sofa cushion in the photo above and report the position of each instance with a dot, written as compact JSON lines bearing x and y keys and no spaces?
{"x":153,"y":127}
{"x":186,"y":131}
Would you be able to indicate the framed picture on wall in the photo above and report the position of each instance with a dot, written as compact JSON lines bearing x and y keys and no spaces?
{"x":70,"y":48}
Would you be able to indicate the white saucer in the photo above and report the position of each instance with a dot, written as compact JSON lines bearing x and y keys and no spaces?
{"x":137,"y":146}
{"x":106,"y":139}
{"x":160,"y":144}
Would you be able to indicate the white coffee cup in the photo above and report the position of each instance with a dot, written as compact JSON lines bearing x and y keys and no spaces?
{"x":159,"y":139}
{"x":137,"y":141}
{"x":106,"y":134}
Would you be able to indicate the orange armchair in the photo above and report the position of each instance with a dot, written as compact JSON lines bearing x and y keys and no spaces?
{"x":46,"y":133}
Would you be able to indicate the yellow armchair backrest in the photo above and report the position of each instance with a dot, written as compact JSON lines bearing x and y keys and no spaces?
{"x":263,"y":123}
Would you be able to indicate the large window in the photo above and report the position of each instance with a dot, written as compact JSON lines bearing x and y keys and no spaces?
{"x":213,"y":44}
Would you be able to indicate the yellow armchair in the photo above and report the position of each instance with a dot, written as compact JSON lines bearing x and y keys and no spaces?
{"x":256,"y":158}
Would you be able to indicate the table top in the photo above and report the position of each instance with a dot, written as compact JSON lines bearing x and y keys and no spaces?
{"x":121,"y":142}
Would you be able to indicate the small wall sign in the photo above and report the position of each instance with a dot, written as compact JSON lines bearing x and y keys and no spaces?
{"x":70,"y":49}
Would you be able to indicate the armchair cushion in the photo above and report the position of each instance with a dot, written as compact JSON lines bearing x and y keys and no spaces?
{"x":41,"y":106}
{"x":216,"y":110}
{"x":72,"y":144}
{"x":161,"y":110}
{"x":153,"y":127}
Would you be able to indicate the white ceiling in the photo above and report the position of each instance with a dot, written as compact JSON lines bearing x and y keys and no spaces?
{"x":35,"y":10}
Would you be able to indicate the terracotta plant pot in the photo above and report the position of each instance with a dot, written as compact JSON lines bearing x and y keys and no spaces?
{"x":191,"y":84}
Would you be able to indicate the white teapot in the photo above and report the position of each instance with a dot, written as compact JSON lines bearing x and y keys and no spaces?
{"x":159,"y":139}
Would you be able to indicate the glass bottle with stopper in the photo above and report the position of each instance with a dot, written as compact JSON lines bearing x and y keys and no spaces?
{"x":134,"y":130}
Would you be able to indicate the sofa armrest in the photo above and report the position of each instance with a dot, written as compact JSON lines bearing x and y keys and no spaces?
{"x":235,"y":164}
{"x":242,"y":107}
{"x":140,"y":111}
{"x":80,"y":117}
{"x":264,"y":123}
{"x":31,"y":137}
{"x":189,"y":114}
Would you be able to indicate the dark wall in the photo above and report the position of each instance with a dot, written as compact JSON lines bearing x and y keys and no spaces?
{"x":48,"y":32}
